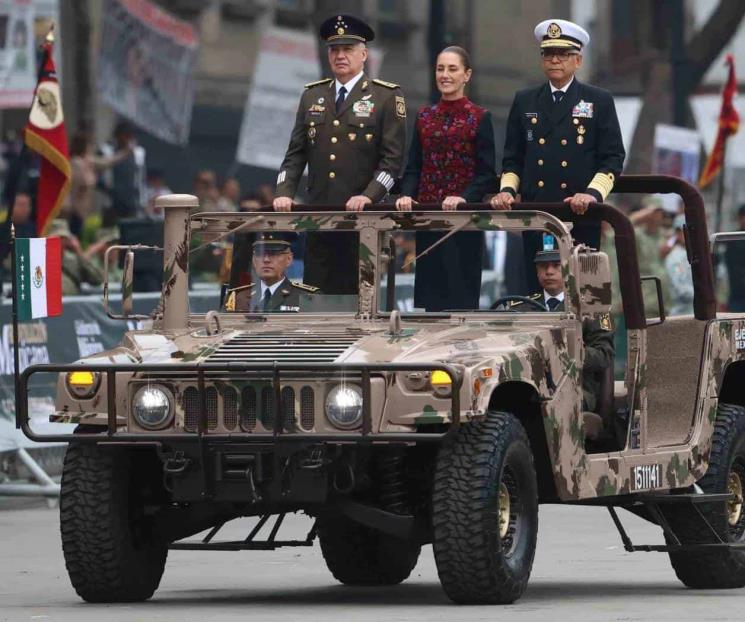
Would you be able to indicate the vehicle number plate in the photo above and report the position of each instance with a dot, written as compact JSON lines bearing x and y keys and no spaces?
{"x":646,"y":477}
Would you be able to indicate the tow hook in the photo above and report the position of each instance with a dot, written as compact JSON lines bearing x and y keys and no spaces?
{"x":175,"y":464}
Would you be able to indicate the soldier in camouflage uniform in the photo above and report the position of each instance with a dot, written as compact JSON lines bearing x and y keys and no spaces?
{"x":351,"y":132}
{"x":274,"y":292}
{"x":597,"y":334}
{"x":77,"y":267}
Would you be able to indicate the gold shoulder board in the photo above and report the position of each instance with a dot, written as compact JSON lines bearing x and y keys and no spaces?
{"x":317,"y":82}
{"x":388,"y":85}
{"x":304,"y":286}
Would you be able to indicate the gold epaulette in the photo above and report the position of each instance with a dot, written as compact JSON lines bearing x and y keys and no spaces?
{"x":304,"y":286}
{"x":230,"y":299}
{"x":388,"y":85}
{"x":317,"y":82}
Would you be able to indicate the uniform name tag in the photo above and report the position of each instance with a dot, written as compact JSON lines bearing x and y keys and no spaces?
{"x":317,"y":109}
{"x":583,"y":109}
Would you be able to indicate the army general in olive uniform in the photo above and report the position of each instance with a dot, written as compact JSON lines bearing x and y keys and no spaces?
{"x":563,"y":141}
{"x":351,"y":132}
{"x":274,"y":292}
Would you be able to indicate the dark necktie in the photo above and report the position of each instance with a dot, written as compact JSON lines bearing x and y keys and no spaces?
{"x":340,"y":98}
{"x":266,"y":299}
{"x":557,"y":96}
{"x":552,"y":303}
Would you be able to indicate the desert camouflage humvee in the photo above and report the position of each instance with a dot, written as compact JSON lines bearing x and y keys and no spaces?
{"x":395,"y":429}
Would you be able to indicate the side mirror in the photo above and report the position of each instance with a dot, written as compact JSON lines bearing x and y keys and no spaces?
{"x":127,"y":281}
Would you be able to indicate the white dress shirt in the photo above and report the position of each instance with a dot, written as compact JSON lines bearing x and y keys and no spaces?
{"x":349,"y":85}
{"x":563,"y":89}
{"x":271,"y":288}
{"x":546,"y":296}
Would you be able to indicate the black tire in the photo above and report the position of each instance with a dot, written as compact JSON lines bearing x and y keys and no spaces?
{"x":722,"y":568}
{"x":358,"y":555}
{"x":476,"y":561}
{"x":109,"y":553}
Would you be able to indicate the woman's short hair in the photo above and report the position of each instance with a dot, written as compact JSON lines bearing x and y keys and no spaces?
{"x":459,"y":51}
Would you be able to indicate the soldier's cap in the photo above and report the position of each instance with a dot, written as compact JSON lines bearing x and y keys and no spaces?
{"x":59,"y":228}
{"x":549,"y":251}
{"x":345,"y":30}
{"x":560,"y":33}
{"x":273,"y":241}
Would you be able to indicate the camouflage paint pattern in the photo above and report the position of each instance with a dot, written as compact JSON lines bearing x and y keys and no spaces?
{"x":543,"y":352}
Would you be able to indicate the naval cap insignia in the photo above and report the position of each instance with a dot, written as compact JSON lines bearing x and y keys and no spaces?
{"x":554,"y":30}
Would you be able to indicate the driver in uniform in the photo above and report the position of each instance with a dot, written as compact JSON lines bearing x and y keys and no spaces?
{"x":597,"y":335}
{"x":274,"y":292}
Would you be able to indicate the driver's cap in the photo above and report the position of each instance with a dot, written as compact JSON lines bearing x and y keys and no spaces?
{"x":549,"y":251}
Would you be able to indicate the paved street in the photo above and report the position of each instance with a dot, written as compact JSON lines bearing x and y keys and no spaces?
{"x":580,"y":574}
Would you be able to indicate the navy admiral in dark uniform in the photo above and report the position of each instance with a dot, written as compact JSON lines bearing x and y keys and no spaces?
{"x":274,"y":292}
{"x":351,"y":132}
{"x":563,"y":141}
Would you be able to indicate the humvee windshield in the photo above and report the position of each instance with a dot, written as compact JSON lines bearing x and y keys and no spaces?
{"x":429,"y":275}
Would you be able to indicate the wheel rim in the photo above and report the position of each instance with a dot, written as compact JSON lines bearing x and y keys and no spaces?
{"x":504,"y":510}
{"x":735,"y":488}
{"x":508,"y":515}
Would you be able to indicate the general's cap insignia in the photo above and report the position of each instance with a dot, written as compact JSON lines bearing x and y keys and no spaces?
{"x":340,"y":31}
{"x":554,"y":30}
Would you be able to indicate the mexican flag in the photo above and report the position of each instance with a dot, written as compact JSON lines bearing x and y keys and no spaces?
{"x":38,"y":277}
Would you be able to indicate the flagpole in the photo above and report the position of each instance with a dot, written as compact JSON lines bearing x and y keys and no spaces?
{"x":720,"y":190}
{"x":14,"y":316}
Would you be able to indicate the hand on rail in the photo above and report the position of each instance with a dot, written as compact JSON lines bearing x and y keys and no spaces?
{"x":404,"y":204}
{"x":282,"y":204}
{"x":502,"y":201}
{"x":357,"y":203}
{"x":450,"y":204}
{"x":580,"y":202}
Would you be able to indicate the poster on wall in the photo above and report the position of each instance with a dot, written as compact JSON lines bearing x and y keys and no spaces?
{"x":146,"y":67}
{"x":23,"y":26}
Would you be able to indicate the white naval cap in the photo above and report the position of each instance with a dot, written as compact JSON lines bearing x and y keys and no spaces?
{"x":560,"y":33}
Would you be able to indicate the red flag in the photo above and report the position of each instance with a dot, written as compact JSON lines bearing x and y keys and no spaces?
{"x":729,"y":122}
{"x":45,"y":134}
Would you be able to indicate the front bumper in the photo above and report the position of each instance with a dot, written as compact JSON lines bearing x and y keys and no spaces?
{"x":202,"y":372}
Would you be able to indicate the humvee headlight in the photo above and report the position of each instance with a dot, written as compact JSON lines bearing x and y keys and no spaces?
{"x":83,"y":384}
{"x":152,"y":406}
{"x":441,"y":382}
{"x":344,"y":406}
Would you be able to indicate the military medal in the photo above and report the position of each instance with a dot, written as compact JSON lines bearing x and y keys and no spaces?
{"x":581,"y":129}
{"x":363,"y":108}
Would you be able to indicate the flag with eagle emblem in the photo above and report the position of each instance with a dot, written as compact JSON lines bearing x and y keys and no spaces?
{"x":45,"y":134}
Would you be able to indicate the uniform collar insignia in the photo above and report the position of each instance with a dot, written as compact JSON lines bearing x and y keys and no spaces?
{"x":364,"y":85}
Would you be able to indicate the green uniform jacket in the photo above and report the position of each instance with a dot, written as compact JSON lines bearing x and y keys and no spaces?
{"x":289,"y":296}
{"x":360,"y":150}
{"x":599,"y":350}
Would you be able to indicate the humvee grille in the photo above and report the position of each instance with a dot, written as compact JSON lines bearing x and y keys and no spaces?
{"x":211,"y":408}
{"x":288,"y":408}
{"x":230,"y":408}
{"x":191,"y":409}
{"x":248,"y":409}
{"x":267,"y":407}
{"x":307,"y":408}
{"x":283,"y":348}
